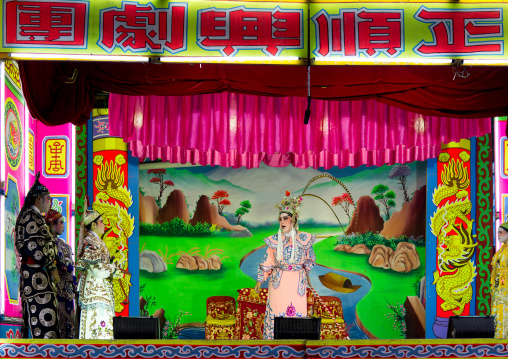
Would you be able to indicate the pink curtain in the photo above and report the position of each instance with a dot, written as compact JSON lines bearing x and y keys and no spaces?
{"x":236,"y":130}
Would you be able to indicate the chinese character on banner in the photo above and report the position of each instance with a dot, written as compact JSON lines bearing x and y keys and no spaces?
{"x":462,"y":32}
{"x":142,"y":28}
{"x":56,"y":156}
{"x":42,"y":23}
{"x":354,"y":32}
{"x":231,"y":30}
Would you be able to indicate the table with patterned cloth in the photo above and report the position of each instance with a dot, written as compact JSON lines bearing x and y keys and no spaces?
{"x":220,"y":319}
{"x":250,"y":314}
{"x":332,"y":320}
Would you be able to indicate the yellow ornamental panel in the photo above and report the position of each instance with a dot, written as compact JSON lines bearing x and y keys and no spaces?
{"x":31,"y":152}
{"x":56,"y":156}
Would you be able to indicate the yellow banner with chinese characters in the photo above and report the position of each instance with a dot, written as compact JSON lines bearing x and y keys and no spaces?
{"x":263,"y":31}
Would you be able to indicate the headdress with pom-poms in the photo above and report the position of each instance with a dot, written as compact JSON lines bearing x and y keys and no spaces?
{"x":291,"y":206}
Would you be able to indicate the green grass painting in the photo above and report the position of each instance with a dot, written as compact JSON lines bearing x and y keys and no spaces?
{"x":181,"y":289}
{"x":388,"y":286}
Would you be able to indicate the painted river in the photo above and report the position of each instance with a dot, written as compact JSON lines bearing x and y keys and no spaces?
{"x":349,"y":300}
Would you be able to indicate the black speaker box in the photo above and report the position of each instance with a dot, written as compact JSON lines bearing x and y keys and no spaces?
{"x":471,"y":327}
{"x":136,"y":328}
{"x":297,"y":328}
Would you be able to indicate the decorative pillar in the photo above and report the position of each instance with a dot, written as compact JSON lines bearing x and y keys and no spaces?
{"x":484,"y":222}
{"x":450,"y":251}
{"x":81,"y":177}
{"x":13,"y":174}
{"x":114,"y":188}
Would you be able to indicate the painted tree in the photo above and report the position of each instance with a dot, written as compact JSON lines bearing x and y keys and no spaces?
{"x":386,"y":197}
{"x":219,"y":196}
{"x":401,"y":173}
{"x":159,"y":180}
{"x":242,"y":210}
{"x":345,"y":202}
{"x":225,"y":202}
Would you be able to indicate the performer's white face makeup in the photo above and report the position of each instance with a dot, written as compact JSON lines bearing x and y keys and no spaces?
{"x":502,"y":235}
{"x":59,"y":227}
{"x":285,"y":222}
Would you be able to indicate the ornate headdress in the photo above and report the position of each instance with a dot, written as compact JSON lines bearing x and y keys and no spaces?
{"x":504,"y":226}
{"x":37,"y":189}
{"x":52,"y":216}
{"x":88,"y":217}
{"x":290,"y":206}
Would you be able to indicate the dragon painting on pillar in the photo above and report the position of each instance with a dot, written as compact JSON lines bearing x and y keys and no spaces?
{"x":452,"y":224}
{"x":112,"y":200}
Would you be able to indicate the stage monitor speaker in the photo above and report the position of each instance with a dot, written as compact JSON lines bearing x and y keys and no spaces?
{"x":136,"y":328}
{"x":471,"y":327}
{"x":297,"y":328}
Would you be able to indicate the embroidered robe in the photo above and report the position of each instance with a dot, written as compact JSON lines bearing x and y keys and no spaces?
{"x":38,"y":252}
{"x":65,"y":289}
{"x":287,"y":295}
{"x":95,"y":291}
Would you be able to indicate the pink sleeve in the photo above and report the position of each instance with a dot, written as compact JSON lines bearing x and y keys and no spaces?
{"x":266,"y":265}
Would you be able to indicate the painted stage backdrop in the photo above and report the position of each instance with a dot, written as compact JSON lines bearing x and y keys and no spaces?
{"x":202,"y":230}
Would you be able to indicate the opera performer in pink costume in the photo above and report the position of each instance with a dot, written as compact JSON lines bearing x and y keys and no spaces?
{"x":287,"y":263}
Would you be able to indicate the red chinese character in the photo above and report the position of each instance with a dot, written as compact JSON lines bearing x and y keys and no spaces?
{"x":55,"y":158}
{"x":353,"y":32}
{"x":144,"y":28}
{"x":46,"y":23}
{"x":380,"y":31}
{"x":452,"y":31}
{"x":231,"y":30}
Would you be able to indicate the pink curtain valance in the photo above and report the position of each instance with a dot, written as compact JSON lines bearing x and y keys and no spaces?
{"x":236,"y":130}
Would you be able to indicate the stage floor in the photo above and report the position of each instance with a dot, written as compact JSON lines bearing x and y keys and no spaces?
{"x":297,"y":349}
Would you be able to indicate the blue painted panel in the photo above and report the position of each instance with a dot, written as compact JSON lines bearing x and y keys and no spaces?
{"x":133,"y":173}
{"x":89,"y":160}
{"x":472,"y":304}
{"x":430,"y":252}
{"x":10,"y":331}
{"x":100,"y":127}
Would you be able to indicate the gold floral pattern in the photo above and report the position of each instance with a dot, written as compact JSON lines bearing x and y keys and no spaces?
{"x":213,"y":331}
{"x":333,"y":331}
{"x":499,"y":290}
{"x":220,"y":309}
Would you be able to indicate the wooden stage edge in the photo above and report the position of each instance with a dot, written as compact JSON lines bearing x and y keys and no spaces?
{"x":287,"y":349}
